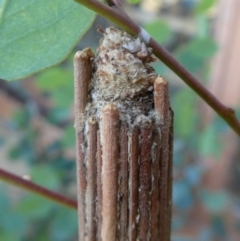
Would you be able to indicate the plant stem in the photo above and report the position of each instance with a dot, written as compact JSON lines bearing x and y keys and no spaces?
{"x":120,"y":18}
{"x":28,"y":185}
{"x":110,"y":155}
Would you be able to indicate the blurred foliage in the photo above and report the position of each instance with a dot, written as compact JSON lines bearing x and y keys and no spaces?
{"x":134,"y":1}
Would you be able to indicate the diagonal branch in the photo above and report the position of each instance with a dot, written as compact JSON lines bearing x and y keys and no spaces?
{"x":28,"y":185}
{"x":116,"y":15}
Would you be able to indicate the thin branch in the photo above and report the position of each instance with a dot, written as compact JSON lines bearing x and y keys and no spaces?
{"x":28,"y":185}
{"x":121,"y":19}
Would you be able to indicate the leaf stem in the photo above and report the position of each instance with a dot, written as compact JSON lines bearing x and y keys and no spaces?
{"x":28,"y":185}
{"x":120,"y":18}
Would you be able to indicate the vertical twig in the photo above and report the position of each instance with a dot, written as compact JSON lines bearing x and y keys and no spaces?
{"x":99,"y":187}
{"x":156,"y":146}
{"x":110,"y":155}
{"x":82,"y":77}
{"x":170,"y":177}
{"x":162,"y":108}
{"x":133,"y":182}
{"x":144,"y":180}
{"x":123,"y":184}
{"x":91,"y":194}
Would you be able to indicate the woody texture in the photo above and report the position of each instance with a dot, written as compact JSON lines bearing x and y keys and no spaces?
{"x":124,"y":136}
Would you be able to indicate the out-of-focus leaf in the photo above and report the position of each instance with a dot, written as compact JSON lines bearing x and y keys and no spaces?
{"x":45,"y":176}
{"x":58,"y":114}
{"x":215,"y":201}
{"x":4,"y":201}
{"x":34,"y":206}
{"x":65,"y":225}
{"x":37,"y":34}
{"x":204,"y":5}
{"x":14,"y":222}
{"x":134,"y":1}
{"x":2,"y":5}
{"x":183,"y":103}
{"x":159,"y":30}
{"x":69,"y":137}
{"x":54,"y":78}
{"x":209,"y":143}
{"x":58,"y":82}
{"x":5,"y":235}
{"x":193,"y":54}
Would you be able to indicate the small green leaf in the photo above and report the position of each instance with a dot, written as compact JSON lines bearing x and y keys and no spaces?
{"x":45,"y":176}
{"x":193,"y":54}
{"x":209,"y":143}
{"x":159,"y":30}
{"x":134,"y":1}
{"x":183,"y":103}
{"x":69,"y":137}
{"x":34,"y":206}
{"x":204,"y":5}
{"x":37,"y":34}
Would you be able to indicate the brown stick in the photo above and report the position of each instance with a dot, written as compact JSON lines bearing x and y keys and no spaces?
{"x":82,"y":76}
{"x":123,"y":184}
{"x":162,"y":108}
{"x":110,"y":155}
{"x":144,"y":180}
{"x":170,"y":177}
{"x":82,"y":184}
{"x":99,"y":187}
{"x":155,"y":186}
{"x":133,"y":182}
{"x":91,"y":193}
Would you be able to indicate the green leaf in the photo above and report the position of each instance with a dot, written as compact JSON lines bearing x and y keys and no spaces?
{"x":8,"y":236}
{"x":193,"y":54}
{"x":59,"y":82}
{"x":45,"y":176}
{"x":37,"y":34}
{"x":204,"y":5}
{"x":134,"y":1}
{"x":184,"y":106}
{"x":209,"y":142}
{"x":2,"y":5}
{"x":34,"y":206}
{"x":159,"y":30}
{"x":53,"y":78}
{"x":69,"y":137}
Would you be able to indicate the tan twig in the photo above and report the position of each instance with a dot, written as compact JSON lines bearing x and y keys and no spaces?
{"x":91,"y":194}
{"x":82,"y":77}
{"x":156,"y":146}
{"x":110,"y":155}
{"x":123,"y":184}
{"x":99,"y":187}
{"x":161,"y":103}
{"x":144,"y":180}
{"x":133,"y":182}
